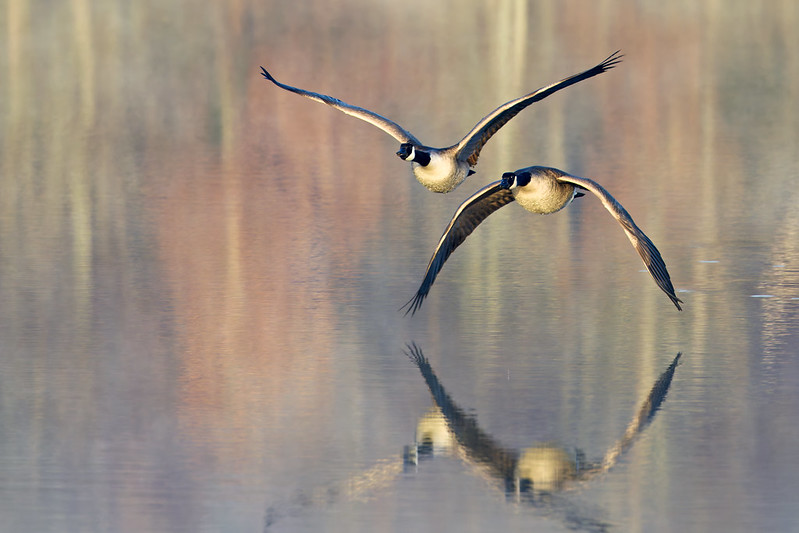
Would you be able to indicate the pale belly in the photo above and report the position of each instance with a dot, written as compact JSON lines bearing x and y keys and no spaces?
{"x":544,"y":197}
{"x":441,"y":174}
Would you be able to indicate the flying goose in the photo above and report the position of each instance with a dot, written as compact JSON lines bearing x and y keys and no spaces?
{"x":443,"y":169}
{"x":540,"y":190}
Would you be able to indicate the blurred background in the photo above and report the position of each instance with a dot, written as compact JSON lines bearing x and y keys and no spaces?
{"x":200,"y":273}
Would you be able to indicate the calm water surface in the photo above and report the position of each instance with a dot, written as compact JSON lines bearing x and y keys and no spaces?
{"x":200,"y":274}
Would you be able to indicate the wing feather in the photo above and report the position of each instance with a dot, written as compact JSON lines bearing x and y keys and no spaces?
{"x":469,"y":147}
{"x":645,"y":247}
{"x":389,"y":126}
{"x":468,"y":216}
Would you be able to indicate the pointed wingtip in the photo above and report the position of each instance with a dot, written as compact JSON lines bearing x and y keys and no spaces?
{"x":415,"y":354}
{"x":266,"y":74}
{"x":407,"y":307}
{"x":412,"y":305}
{"x":612,"y":61}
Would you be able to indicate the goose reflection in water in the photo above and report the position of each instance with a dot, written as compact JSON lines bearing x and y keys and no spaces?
{"x":536,"y":473}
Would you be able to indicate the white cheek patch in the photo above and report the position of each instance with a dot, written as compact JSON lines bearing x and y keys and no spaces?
{"x":412,"y":155}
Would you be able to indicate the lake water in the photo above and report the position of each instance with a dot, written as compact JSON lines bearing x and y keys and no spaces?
{"x":200,"y":273}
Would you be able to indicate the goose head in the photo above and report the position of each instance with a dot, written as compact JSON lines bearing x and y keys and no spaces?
{"x":407,"y":152}
{"x":511,"y":180}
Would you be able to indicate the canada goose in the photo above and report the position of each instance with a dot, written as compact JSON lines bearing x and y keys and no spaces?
{"x":443,"y":169}
{"x":541,"y":190}
{"x":543,"y":467}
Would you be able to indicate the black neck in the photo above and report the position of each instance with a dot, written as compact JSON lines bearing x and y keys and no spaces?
{"x":421,"y":157}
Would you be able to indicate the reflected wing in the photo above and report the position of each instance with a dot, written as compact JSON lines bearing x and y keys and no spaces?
{"x":642,"y":418}
{"x":390,"y":127}
{"x":469,"y":215}
{"x":359,"y":487}
{"x":479,"y":445}
{"x":469,"y":147}
{"x":645,"y":248}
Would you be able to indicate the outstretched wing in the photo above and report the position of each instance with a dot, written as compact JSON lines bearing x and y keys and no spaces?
{"x":390,"y":127}
{"x":469,"y":147}
{"x":468,"y":216}
{"x":645,"y":248}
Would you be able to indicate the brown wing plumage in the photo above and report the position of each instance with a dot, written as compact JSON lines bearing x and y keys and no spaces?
{"x":389,"y":126}
{"x":469,"y":215}
{"x":469,"y":147}
{"x":645,"y":248}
